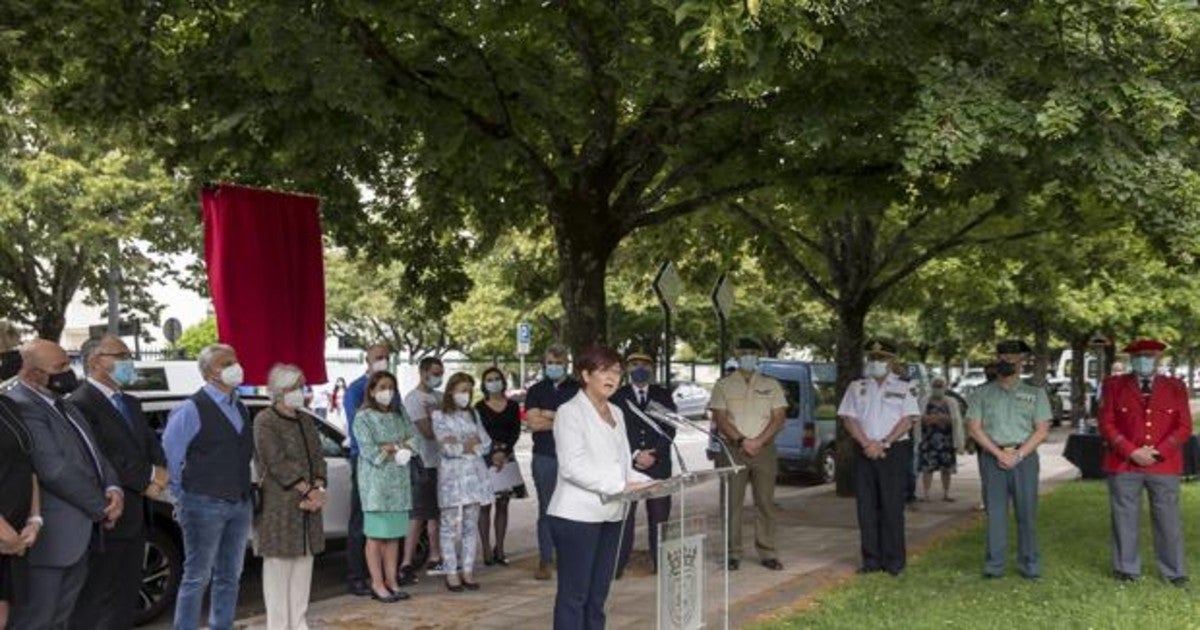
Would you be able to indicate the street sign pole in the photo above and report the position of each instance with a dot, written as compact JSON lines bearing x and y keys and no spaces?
{"x":173,"y":330}
{"x":722,"y":300}
{"x":667,"y":287}
{"x":1100,"y":343}
{"x":524,"y":339}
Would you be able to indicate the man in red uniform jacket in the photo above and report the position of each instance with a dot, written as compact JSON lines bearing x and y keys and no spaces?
{"x":1146,"y":420}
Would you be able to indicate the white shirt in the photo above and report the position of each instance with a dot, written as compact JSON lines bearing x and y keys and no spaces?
{"x":417,"y":404}
{"x":879,"y":407}
{"x":593,"y":459}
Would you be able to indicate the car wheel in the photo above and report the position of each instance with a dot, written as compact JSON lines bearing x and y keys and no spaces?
{"x":828,"y":462}
{"x":162,"y":569}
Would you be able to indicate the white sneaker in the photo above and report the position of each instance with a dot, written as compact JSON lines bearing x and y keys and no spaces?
{"x":437,"y":569}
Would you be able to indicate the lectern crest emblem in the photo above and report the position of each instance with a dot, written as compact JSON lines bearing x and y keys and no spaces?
{"x":681,"y":585}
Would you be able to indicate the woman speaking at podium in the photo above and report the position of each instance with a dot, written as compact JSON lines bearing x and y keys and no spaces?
{"x":593,"y":460}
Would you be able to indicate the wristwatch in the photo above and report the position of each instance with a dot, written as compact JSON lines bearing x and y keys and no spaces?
{"x":886,"y":443}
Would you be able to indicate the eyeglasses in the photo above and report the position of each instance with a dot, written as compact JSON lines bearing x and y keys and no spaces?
{"x":117,"y":355}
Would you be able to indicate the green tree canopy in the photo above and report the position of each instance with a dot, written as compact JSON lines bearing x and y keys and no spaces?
{"x":72,"y":201}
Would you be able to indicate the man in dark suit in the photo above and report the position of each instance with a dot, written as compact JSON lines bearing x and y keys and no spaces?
{"x":110,"y":595}
{"x":651,"y":444}
{"x":80,"y":492}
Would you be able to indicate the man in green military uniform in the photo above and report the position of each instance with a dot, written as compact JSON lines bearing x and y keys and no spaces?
{"x":1008,"y":419}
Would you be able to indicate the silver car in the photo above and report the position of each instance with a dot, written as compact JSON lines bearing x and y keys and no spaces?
{"x":691,"y":400}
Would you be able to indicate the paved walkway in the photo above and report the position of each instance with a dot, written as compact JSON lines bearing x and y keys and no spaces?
{"x":818,"y":546}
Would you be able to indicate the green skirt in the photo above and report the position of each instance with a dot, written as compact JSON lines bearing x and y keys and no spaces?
{"x":385,"y":525}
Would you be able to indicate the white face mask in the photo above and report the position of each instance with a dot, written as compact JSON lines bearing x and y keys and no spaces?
{"x":462,"y":399}
{"x":232,"y":375}
{"x":294,"y":398}
{"x":493,"y":387}
{"x":877,"y":369}
{"x":384,"y":397}
{"x":433,"y":381}
{"x":379,"y":366}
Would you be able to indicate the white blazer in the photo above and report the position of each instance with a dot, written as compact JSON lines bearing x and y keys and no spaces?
{"x":593,"y":458}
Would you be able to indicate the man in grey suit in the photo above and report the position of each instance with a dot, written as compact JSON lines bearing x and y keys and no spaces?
{"x":80,"y":491}
{"x":110,"y":596}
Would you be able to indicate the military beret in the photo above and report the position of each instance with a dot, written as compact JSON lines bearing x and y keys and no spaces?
{"x":880,"y":346}
{"x":748,"y":343}
{"x":1013,"y":346}
{"x":1141,"y":346}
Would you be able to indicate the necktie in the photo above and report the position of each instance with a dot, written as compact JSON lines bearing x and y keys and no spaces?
{"x":1146,"y":388}
{"x":641,"y":397}
{"x":82,"y":437}
{"x":119,"y":402}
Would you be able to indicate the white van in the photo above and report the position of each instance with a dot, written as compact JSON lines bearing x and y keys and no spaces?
{"x":178,"y":377}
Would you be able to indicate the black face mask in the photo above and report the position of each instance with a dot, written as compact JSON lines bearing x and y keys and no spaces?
{"x":63,"y":383}
{"x":1004,"y":368}
{"x":10,"y":364}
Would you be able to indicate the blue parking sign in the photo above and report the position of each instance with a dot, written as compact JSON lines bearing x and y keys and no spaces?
{"x":524,"y":337}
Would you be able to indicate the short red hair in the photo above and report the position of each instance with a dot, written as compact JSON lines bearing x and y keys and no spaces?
{"x":594,"y":359}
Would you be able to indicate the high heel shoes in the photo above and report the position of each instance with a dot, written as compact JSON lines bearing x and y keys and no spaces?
{"x":470,"y":585}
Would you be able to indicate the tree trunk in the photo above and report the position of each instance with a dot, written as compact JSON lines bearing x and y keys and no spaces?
{"x":49,"y":325}
{"x":851,"y":338}
{"x":1079,"y":396}
{"x":1191,"y":369}
{"x":1041,"y":350}
{"x":586,"y":239}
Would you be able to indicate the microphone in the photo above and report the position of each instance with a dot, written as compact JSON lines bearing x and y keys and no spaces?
{"x":654,"y":427}
{"x":660,"y":412}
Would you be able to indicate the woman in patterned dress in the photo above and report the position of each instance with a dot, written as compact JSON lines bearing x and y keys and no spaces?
{"x":941,"y":439}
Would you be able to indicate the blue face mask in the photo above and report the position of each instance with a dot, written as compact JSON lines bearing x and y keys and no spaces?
{"x":640,"y":375}
{"x":748,"y":362}
{"x":1142,"y":366}
{"x":124,"y":373}
{"x":555,"y":371}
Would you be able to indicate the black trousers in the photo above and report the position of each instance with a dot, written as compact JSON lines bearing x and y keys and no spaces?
{"x":658,"y":510}
{"x":110,"y":594}
{"x":356,"y":563}
{"x":879,"y":486}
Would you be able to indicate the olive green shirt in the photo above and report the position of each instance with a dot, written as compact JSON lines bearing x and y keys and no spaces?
{"x":1008,"y":415}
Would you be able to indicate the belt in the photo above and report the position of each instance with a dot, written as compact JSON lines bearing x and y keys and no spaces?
{"x":1008,"y":446}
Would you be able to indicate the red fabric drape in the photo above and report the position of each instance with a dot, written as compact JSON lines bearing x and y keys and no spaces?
{"x":266,"y":274}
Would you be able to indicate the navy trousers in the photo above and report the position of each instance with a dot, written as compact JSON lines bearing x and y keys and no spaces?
{"x":587,"y":560}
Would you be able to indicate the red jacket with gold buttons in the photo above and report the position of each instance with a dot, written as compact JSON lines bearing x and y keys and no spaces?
{"x":1128,"y":423}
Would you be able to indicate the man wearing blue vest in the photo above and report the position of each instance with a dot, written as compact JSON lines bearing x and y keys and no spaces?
{"x":209,"y":444}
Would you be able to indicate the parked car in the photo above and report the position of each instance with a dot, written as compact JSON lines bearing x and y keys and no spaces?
{"x":162,"y":566}
{"x":691,"y":400}
{"x":974,"y":377}
{"x":807,"y":444}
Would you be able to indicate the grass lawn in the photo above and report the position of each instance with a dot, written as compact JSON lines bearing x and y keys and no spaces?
{"x":942,"y":587}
